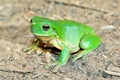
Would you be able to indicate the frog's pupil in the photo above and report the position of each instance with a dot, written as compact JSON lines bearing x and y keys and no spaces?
{"x":46,"y":27}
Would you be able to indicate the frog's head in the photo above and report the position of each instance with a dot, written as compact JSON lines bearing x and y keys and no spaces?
{"x":42,"y":27}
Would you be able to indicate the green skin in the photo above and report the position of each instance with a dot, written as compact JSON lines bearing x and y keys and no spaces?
{"x":66,"y":35}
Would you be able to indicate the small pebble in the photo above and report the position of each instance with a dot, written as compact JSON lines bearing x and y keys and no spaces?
{"x":108,"y":27}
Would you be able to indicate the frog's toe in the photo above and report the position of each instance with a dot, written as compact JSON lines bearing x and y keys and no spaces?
{"x":26,"y":49}
{"x":30,"y":49}
{"x":84,"y":57}
{"x":47,"y":66}
{"x":57,"y":67}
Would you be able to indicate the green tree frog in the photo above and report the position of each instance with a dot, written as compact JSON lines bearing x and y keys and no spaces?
{"x":66,"y":35}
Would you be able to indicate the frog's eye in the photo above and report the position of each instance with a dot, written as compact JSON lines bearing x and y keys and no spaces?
{"x":46,"y":27}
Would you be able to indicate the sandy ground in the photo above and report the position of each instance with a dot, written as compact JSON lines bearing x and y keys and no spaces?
{"x":101,"y":64}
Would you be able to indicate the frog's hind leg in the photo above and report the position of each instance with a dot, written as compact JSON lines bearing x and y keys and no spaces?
{"x":88,"y":43}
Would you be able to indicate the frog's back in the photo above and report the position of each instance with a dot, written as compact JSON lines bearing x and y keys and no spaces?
{"x":70,"y":29}
{"x":71,"y":32}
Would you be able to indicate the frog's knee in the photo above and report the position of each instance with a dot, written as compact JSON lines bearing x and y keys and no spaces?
{"x":90,"y":42}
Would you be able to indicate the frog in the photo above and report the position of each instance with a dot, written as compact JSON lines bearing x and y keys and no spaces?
{"x":66,"y":35}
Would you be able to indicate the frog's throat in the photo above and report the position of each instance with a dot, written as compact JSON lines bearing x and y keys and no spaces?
{"x":45,"y":38}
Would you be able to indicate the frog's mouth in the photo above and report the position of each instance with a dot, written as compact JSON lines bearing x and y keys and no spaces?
{"x":45,"y":39}
{"x":46,"y":35}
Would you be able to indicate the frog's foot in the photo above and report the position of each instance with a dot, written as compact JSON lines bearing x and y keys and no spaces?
{"x":82,"y":54}
{"x":76,"y":56}
{"x":30,"y":49}
{"x":57,"y":65}
{"x":64,"y":56}
{"x":88,"y":43}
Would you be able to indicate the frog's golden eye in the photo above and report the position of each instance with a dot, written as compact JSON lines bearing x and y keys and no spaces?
{"x":46,"y":27}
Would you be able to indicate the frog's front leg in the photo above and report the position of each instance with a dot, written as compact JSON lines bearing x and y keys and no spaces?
{"x":32,"y":47}
{"x":64,"y":56}
{"x":88,"y":43}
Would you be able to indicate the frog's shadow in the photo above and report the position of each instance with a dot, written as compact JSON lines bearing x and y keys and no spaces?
{"x":57,"y":51}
